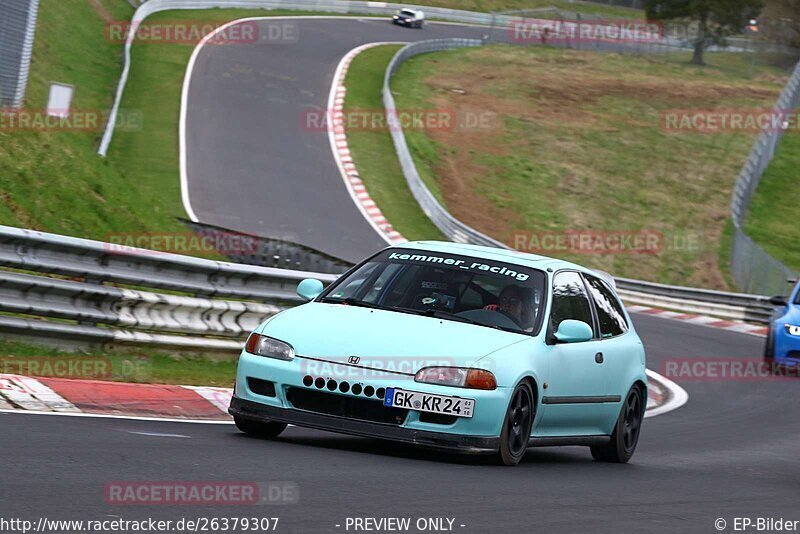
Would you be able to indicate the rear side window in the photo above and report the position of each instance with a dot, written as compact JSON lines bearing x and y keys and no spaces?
{"x":570,"y":300}
{"x":609,"y":310}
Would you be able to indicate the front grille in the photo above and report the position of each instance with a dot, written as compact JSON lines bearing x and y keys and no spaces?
{"x":794,"y":354}
{"x":345,"y":406}
{"x":437,"y":418}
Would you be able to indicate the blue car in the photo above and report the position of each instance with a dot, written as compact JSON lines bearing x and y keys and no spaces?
{"x":456,"y":347}
{"x":783,"y":338}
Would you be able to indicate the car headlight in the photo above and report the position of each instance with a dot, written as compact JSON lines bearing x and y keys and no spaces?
{"x":269,"y":347}
{"x":793,"y":329}
{"x":457,"y":376}
{"x":395,"y":17}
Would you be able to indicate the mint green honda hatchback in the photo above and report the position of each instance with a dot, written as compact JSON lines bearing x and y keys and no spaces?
{"x":452,"y":346}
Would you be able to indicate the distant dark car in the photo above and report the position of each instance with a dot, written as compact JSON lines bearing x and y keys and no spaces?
{"x":409,"y":17}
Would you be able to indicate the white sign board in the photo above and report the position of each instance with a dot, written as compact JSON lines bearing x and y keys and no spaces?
{"x":60,"y":100}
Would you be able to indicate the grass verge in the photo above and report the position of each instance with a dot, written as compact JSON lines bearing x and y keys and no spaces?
{"x":580,"y":148}
{"x":139,"y":365}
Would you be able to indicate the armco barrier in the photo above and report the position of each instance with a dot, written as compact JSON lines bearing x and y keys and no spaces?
{"x":736,"y":306}
{"x":99,"y":262}
{"x":85,"y":310}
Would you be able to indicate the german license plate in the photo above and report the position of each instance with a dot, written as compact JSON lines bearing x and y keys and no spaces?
{"x":428,"y":402}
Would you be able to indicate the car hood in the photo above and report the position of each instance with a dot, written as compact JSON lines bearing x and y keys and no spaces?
{"x":791,"y":314}
{"x":384,"y":339}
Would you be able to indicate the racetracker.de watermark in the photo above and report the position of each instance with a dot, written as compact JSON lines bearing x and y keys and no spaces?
{"x":363,"y":119}
{"x":726,"y":370}
{"x":604,"y":242}
{"x":80,"y":120}
{"x":752,"y":120}
{"x":372,"y":367}
{"x":74,"y":367}
{"x":193,"y":31}
{"x":226,"y":243}
{"x":532,"y":30}
{"x":180,"y":493}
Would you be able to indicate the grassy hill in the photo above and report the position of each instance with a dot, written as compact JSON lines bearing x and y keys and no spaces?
{"x":577,"y":146}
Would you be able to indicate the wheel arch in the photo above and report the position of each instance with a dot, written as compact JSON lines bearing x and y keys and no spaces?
{"x":531,"y":381}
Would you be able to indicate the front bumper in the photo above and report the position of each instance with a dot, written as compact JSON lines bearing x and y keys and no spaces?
{"x":787,"y":348}
{"x":261,"y":412}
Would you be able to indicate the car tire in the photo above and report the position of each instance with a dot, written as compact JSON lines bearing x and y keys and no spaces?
{"x":769,"y":346}
{"x":260,"y":430}
{"x":517,"y":425}
{"x":626,"y":432}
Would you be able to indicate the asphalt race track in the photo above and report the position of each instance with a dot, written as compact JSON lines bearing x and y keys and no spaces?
{"x":252,"y":164}
{"x":731,"y":451}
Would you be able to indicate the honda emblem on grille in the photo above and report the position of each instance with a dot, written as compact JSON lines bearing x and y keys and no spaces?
{"x":353,"y":359}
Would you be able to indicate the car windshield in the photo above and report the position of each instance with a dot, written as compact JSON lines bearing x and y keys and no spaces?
{"x":407,"y":13}
{"x":446,"y":286}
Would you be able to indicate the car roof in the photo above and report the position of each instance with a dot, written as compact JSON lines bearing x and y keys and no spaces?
{"x":498,"y":254}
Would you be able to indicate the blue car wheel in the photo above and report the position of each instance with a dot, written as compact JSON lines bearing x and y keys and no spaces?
{"x":517,"y":426}
{"x":626,"y":432}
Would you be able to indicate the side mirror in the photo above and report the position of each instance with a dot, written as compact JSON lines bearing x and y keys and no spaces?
{"x":309,"y":289}
{"x":572,"y":331}
{"x":779,"y":301}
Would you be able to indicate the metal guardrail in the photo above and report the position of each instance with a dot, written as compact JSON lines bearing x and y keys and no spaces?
{"x":99,"y":262}
{"x":81,"y":309}
{"x":91,"y":309}
{"x":736,"y":306}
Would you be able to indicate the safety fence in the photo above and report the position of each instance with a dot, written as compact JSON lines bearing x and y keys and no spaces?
{"x":753,"y":268}
{"x":17,"y":29}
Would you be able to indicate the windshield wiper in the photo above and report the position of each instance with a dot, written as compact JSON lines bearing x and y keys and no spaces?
{"x":441,"y":314}
{"x":354,"y":302}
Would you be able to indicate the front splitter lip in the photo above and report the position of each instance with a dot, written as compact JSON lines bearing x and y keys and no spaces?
{"x":255,"y":411}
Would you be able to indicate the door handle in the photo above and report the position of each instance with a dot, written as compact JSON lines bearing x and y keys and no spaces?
{"x":598,"y":358}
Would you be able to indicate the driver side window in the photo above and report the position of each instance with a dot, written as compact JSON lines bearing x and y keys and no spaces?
{"x":570,"y":300}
